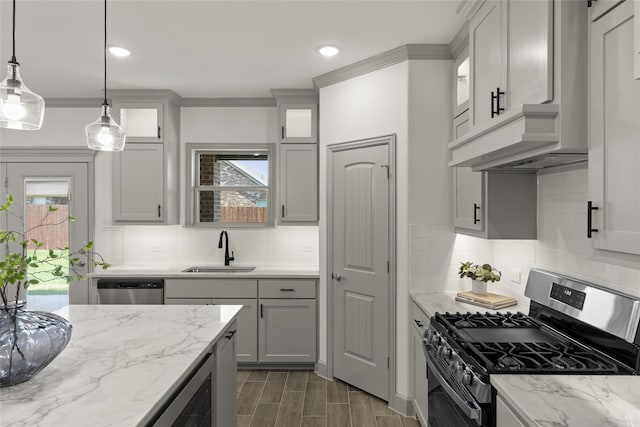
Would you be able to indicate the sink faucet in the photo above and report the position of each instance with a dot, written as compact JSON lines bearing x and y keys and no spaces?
{"x":227,"y":258}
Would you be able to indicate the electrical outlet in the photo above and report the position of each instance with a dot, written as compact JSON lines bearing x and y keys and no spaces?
{"x":307,"y":248}
{"x":515,"y":276}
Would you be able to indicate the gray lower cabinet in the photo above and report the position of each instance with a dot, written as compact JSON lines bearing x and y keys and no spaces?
{"x":419,"y":324}
{"x":277,"y":323}
{"x":223,"y":291}
{"x":505,"y":417}
{"x":287,"y":330}
{"x":225,"y":381}
{"x":247,"y":337}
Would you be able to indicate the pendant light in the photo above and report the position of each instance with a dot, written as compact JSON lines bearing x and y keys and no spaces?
{"x":105,"y":134}
{"x":19,"y":107}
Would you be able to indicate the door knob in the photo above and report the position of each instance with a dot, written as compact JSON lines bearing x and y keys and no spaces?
{"x":336,"y":277}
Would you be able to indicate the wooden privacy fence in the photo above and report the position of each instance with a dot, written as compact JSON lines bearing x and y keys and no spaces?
{"x":54,"y":232}
{"x":243,"y":214}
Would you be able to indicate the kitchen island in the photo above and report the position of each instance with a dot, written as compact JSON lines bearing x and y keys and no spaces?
{"x":122,"y":366}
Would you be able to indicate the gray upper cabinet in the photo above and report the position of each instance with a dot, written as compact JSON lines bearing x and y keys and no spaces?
{"x":506,"y":72}
{"x":493,"y":205}
{"x":299,"y":122}
{"x":487,"y":55}
{"x":145,"y":185}
{"x":141,"y":121}
{"x":297,"y":115}
{"x":528,"y":85}
{"x":615,"y":131}
{"x":298,"y":183}
{"x":138,"y":184}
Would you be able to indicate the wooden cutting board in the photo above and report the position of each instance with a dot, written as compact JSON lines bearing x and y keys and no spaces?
{"x":488,"y":298}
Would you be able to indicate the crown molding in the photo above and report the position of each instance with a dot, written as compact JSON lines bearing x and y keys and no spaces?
{"x":468,"y":8}
{"x":73,"y":102}
{"x":44,"y":154}
{"x":460,"y":41}
{"x":145,"y":95}
{"x":228,"y":102}
{"x":383,"y":60}
{"x":295,"y":95}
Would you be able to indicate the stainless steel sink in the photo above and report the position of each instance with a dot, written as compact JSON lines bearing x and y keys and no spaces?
{"x":218,"y":269}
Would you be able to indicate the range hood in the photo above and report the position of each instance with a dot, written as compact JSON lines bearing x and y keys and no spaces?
{"x":527,"y":137}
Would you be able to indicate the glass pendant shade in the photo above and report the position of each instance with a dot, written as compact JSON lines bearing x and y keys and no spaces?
{"x":19,"y":107}
{"x":105,"y":134}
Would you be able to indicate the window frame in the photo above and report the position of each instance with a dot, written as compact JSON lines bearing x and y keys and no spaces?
{"x":192,"y":189}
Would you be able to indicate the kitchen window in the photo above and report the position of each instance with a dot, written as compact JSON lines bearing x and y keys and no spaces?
{"x":230,"y":185}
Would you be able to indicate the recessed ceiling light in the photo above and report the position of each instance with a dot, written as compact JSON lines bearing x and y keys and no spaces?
{"x":328,"y":51}
{"x":119,"y":51}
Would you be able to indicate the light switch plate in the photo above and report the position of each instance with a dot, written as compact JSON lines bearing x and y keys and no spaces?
{"x":514,"y":276}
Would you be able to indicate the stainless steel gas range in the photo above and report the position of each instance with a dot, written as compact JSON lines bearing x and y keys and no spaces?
{"x":573,"y":327}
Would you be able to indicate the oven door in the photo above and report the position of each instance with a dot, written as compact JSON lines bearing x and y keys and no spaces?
{"x":447,"y":404}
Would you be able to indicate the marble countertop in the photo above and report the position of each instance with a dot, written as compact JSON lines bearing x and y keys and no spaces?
{"x":443,"y":301}
{"x":572,"y":400}
{"x":175,"y":271}
{"x":122,"y":363}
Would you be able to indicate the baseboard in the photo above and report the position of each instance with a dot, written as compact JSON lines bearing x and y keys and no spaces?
{"x":403,"y":405}
{"x":289,"y":366}
{"x":322,"y":370}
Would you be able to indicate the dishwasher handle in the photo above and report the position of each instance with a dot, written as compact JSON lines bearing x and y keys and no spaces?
{"x":137,"y":284}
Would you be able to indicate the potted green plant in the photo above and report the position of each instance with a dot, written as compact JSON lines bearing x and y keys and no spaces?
{"x":30,"y":340}
{"x":479,"y":274}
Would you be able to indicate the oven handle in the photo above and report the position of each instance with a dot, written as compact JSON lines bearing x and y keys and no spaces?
{"x":471,"y":413}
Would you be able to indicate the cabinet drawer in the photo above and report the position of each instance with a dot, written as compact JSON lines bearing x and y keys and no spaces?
{"x":287,"y":288}
{"x":211,"y":288}
{"x":417,"y":315}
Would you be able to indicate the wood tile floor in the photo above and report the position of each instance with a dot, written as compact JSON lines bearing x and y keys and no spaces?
{"x":303,"y":399}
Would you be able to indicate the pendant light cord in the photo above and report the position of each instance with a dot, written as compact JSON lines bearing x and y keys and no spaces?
{"x":13,"y":35}
{"x":104,"y":54}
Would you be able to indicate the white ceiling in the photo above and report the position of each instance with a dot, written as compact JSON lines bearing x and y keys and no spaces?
{"x":208,"y":48}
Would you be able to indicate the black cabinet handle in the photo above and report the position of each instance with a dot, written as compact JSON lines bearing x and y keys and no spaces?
{"x":261,"y":311}
{"x":159,"y":132}
{"x":475,"y":213}
{"x":419,"y":323}
{"x":590,"y":209}
{"x":495,"y":100}
{"x":282,"y":132}
{"x":159,"y":214}
{"x":282,"y":211}
{"x":590,"y":2}
{"x":286,"y":290}
{"x":230,"y":334}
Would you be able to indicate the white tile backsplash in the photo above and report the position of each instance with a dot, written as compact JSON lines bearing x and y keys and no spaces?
{"x":156,"y":245}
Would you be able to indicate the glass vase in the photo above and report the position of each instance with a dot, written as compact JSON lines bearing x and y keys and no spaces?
{"x":29,"y":341}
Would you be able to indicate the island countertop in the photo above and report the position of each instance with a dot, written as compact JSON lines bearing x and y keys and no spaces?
{"x":122,"y":364}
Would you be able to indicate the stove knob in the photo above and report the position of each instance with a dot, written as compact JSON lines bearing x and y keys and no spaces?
{"x":447,"y":353}
{"x":435,"y":338}
{"x":459,"y":367}
{"x":467,"y":377}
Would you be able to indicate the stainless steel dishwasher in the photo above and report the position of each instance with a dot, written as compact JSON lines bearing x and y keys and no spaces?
{"x":131,"y":291}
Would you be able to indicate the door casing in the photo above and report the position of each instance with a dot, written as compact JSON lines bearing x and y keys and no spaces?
{"x":390,"y":141}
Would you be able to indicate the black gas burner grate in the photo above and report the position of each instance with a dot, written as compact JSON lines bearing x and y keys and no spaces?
{"x":538,"y":358}
{"x":487,"y":320}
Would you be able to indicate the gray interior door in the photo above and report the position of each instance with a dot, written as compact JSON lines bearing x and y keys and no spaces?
{"x":360,"y":268}
{"x":35,"y":187}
